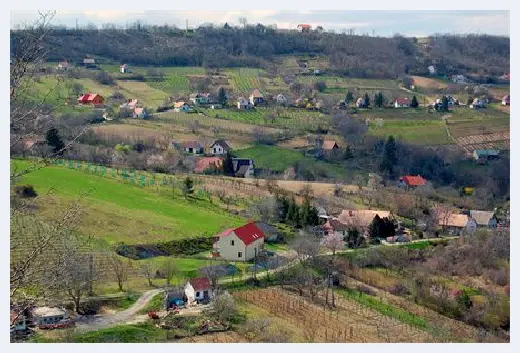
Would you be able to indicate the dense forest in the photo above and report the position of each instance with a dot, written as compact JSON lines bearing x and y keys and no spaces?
{"x":258,"y":46}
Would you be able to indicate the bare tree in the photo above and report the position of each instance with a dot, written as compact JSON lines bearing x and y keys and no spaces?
{"x":306,"y":247}
{"x":223,"y":307}
{"x":148,"y":270}
{"x":170,"y":270}
{"x":119,"y":267}
{"x":333,"y":242}
{"x":264,"y":210}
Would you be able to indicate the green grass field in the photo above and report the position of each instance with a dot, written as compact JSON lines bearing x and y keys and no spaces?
{"x":419,"y":132}
{"x":117,"y":212}
{"x":278,"y":159}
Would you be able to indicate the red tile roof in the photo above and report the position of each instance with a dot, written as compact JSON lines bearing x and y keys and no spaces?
{"x":304,"y":26}
{"x":402,"y":101}
{"x":412,"y":180}
{"x":204,"y":163}
{"x":249,"y":233}
{"x":329,"y":144}
{"x":200,"y":283}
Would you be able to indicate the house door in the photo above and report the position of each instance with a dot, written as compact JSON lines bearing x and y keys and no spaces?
{"x":206,"y":294}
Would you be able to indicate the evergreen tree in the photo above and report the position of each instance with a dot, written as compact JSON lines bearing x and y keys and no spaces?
{"x":222,"y":96}
{"x":188,"y":187}
{"x":444,"y":104}
{"x":292,"y":213}
{"x":349,"y":98}
{"x":367,"y":100}
{"x":54,"y":140}
{"x":375,"y":227}
{"x":379,"y":100}
{"x":389,"y":157}
{"x":414,"y":103}
{"x":348,"y":153}
{"x":227,"y":165}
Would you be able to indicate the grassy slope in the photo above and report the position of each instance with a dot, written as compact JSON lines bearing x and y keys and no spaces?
{"x":119,"y":212}
{"x":278,"y":159}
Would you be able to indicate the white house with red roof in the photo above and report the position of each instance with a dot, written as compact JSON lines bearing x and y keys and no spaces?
{"x":402,"y":103}
{"x":198,"y":289}
{"x":240,"y":244}
{"x":412,"y":181}
{"x":304,"y":28}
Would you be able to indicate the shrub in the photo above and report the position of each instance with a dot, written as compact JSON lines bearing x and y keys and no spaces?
{"x":366,"y":290}
{"x":498,"y":276}
{"x":399,"y":289}
{"x":25,"y":191}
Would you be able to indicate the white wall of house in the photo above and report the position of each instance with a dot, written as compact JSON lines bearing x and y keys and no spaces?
{"x":233,"y":249}
{"x":218,"y":149}
{"x":49,"y":320}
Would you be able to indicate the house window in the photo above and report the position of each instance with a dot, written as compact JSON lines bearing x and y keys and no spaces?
{"x":197,"y":294}
{"x":232,"y":243}
{"x":239,"y":254}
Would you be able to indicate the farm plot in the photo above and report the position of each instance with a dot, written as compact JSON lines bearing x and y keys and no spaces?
{"x":461,"y":128}
{"x":351,"y":322}
{"x":279,"y":117}
{"x":420,"y":132}
{"x":149,"y":96}
{"x":489,"y":141}
{"x":245,"y":80}
{"x":225,"y":126}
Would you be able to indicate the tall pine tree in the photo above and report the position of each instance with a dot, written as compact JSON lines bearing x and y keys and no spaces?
{"x":367,"y":100}
{"x":414,"y":103}
{"x":349,"y":98}
{"x":222,"y":96}
{"x":389,"y":157}
{"x":54,"y":140}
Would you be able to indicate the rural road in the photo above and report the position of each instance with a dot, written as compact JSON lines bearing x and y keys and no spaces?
{"x":96,"y":322}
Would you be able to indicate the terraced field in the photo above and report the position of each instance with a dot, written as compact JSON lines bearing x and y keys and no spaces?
{"x":245,"y":80}
{"x":498,"y":141}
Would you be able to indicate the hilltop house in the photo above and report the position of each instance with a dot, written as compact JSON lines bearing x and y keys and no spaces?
{"x":477,"y":103}
{"x":200,"y":98}
{"x":139,"y":113}
{"x":484,"y":219}
{"x":459,"y":79}
{"x":256,"y":98}
{"x":361,"y":219}
{"x":243,"y":167}
{"x":456,"y":224}
{"x":360,"y":103}
{"x":63,"y":65}
{"x":482,"y":156}
{"x":431,"y":69}
{"x":182,"y":107}
{"x":329,"y":146}
{"x":89,"y":62}
{"x":48,"y":316}
{"x":412,"y":181}
{"x":91,"y":98}
{"x":205,"y":163}
{"x":240,"y":244}
{"x":506,"y":100}
{"x":198,"y":289}
{"x":219,"y":147}
{"x":402,"y":103}
{"x":336,"y":227}
{"x":243,"y":103}
{"x":123,"y":68}
{"x":281,"y":99}
{"x":192,"y":147}
{"x":304,"y":28}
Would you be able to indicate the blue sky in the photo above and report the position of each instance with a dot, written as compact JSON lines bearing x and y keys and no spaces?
{"x":382,"y":23}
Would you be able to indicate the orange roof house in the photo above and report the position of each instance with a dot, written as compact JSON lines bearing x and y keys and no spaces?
{"x":412,"y":181}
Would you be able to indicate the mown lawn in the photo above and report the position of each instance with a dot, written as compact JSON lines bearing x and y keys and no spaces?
{"x":279,"y":159}
{"x":117,"y":212}
{"x":420,"y":132}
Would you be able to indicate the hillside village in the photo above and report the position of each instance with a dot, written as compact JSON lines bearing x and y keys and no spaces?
{"x":287,"y":202}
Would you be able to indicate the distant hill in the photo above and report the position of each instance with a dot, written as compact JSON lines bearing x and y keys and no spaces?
{"x":259,"y":46}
